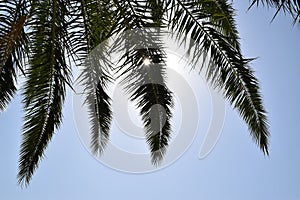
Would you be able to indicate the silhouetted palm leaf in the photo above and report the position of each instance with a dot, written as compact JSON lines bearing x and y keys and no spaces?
{"x":44,"y":90}
{"x":145,"y":82}
{"x":96,"y":75}
{"x":290,"y":6}
{"x":12,"y":44}
{"x":214,"y":36}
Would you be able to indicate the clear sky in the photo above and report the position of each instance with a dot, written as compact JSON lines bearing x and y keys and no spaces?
{"x":234,"y":170}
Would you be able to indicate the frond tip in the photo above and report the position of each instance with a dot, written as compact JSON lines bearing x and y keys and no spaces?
{"x":146,"y":85}
{"x":243,"y":93}
{"x":44,"y":90}
{"x":155,"y":101}
{"x":215,"y":39}
{"x":292,"y":7}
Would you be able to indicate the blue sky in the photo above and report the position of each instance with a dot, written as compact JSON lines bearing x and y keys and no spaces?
{"x":234,"y":170}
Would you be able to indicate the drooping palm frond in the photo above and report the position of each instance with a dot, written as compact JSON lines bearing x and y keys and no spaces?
{"x":12,"y":47}
{"x":290,"y":6}
{"x":98,"y":22}
{"x":44,"y":90}
{"x":95,"y":78}
{"x":210,"y":24}
{"x":146,"y":82}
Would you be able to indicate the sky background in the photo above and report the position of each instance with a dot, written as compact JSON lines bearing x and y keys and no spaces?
{"x":234,"y":170}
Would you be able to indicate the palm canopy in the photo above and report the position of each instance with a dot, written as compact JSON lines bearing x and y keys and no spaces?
{"x":39,"y":38}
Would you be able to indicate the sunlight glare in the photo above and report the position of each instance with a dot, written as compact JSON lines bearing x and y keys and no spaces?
{"x":146,"y":61}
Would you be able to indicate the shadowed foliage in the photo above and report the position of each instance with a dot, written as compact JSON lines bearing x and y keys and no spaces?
{"x":43,"y":40}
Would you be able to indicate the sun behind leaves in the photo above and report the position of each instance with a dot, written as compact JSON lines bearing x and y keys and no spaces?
{"x":38,"y":38}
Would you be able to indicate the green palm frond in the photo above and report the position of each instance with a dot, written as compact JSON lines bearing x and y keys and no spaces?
{"x":44,"y":90}
{"x":13,"y":43}
{"x":98,"y":21}
{"x":135,"y":14}
{"x":212,"y":39}
{"x":94,"y":79}
{"x":155,"y":101}
{"x":290,"y":6}
{"x":146,"y":83}
{"x":157,"y":9}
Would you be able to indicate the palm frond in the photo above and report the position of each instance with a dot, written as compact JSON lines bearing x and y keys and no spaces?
{"x":157,"y":9}
{"x":227,"y":69}
{"x":145,"y":82}
{"x":98,"y":20}
{"x":44,"y":90}
{"x":288,"y":6}
{"x":13,"y":42}
{"x":94,"y":79}
{"x":136,"y":14}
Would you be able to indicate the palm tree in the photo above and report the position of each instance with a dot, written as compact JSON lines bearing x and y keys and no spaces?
{"x":39,"y":38}
{"x":287,"y":6}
